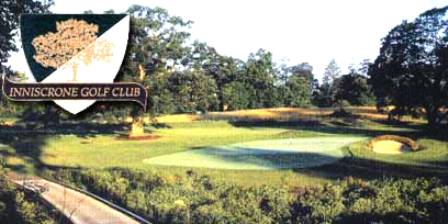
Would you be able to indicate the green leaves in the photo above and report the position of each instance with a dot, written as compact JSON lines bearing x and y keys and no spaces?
{"x":10,"y":11}
{"x":192,"y":198}
{"x":17,"y":206}
{"x":353,"y":88}
{"x":411,"y":71}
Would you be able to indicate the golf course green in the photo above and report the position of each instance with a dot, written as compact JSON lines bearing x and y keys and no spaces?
{"x":262,"y":154}
{"x":229,"y":150}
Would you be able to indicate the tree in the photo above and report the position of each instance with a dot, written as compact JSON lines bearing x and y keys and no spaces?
{"x":299,"y":89}
{"x":353,"y":88}
{"x":331,"y":73}
{"x":222,"y":69}
{"x":10,"y":11}
{"x":73,"y":43}
{"x":325,"y":95}
{"x":298,"y":85}
{"x":236,"y":95}
{"x":193,"y":91}
{"x":260,"y":79}
{"x":155,"y":49}
{"x":411,"y":70}
{"x":157,"y":42}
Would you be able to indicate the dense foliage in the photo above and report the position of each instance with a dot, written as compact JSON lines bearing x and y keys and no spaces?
{"x":198,"y":199}
{"x":353,"y":88}
{"x":324,"y":97}
{"x":10,"y":11}
{"x":17,"y":206}
{"x":411,"y":71}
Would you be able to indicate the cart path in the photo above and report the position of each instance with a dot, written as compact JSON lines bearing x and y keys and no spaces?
{"x":76,"y":206}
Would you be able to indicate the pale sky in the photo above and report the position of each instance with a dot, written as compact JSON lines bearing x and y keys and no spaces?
{"x":313,"y":31}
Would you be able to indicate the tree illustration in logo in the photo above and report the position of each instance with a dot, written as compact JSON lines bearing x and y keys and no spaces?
{"x":74,"y":42}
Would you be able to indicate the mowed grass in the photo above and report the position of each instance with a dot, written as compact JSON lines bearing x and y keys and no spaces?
{"x":261,"y":154}
{"x":432,"y":153}
{"x":189,"y":133}
{"x":108,"y":151}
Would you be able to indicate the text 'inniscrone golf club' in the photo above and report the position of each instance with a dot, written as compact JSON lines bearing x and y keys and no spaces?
{"x":70,"y":92}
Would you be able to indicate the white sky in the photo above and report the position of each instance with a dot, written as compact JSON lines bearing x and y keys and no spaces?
{"x":313,"y":31}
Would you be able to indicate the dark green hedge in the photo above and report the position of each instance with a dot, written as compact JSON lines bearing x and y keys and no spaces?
{"x":19,"y":207}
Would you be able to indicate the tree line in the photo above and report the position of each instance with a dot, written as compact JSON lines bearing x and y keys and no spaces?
{"x":185,"y":77}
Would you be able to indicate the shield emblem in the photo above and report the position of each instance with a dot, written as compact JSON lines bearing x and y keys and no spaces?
{"x":80,"y":48}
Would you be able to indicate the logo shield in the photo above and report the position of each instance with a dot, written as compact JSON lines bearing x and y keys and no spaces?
{"x":81,"y":48}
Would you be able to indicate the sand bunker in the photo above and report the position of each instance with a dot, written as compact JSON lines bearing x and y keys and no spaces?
{"x":390,"y":147}
{"x":392,"y":144}
{"x":261,"y":155}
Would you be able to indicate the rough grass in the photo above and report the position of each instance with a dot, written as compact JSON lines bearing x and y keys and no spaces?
{"x":278,"y":114}
{"x":432,"y":154}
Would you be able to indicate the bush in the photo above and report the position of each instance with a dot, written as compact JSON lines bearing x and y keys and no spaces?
{"x":17,"y":206}
{"x":192,"y":198}
{"x":341,"y":109}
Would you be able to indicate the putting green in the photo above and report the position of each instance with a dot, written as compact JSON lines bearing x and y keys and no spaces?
{"x":261,"y":155}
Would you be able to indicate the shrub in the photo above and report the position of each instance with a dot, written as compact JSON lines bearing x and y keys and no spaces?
{"x":17,"y":206}
{"x":192,"y":198}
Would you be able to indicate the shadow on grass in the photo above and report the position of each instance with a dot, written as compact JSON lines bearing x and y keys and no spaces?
{"x":338,"y":127}
{"x":27,"y":140}
{"x":241,"y":158}
{"x":26,"y":146}
{"x":310,"y":164}
{"x":80,"y":129}
{"x":373,"y":169}
{"x":362,"y":167}
{"x":317,"y":126}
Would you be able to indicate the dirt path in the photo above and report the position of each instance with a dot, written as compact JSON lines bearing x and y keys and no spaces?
{"x":78,"y":207}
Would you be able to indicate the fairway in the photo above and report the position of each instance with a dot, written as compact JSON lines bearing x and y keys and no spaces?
{"x":304,"y":153}
{"x":261,"y":155}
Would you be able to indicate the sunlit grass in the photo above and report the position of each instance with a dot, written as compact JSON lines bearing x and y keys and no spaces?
{"x":103,"y":151}
{"x":432,"y":153}
{"x":185,"y":132}
{"x":279,"y":114}
{"x":261,"y":155}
